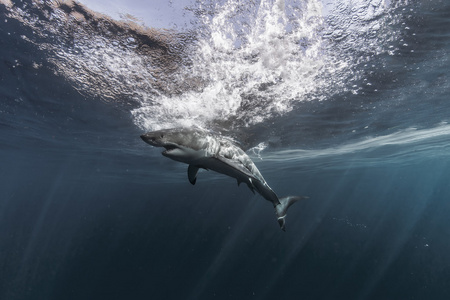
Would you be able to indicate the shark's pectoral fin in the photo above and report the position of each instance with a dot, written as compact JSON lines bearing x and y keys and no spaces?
{"x":192,"y":174}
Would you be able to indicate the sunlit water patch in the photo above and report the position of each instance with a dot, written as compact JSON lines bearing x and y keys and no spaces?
{"x":402,"y":148}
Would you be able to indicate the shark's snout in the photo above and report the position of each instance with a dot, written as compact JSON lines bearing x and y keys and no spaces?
{"x":149,"y":139}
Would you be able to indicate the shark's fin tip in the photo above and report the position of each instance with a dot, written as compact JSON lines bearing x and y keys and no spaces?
{"x":192,"y":174}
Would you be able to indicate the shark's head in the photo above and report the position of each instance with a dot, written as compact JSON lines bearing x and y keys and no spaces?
{"x":155,"y":138}
{"x":180,"y":144}
{"x":163,"y":138}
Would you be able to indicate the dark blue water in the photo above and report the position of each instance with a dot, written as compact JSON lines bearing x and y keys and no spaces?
{"x":88,"y":211}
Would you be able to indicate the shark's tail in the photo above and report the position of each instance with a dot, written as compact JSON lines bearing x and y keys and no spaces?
{"x":282,"y":207}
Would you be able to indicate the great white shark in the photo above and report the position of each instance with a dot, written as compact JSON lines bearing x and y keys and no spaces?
{"x":203,"y":150}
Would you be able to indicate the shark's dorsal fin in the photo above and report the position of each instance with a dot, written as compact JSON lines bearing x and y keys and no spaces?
{"x":237,"y":165}
{"x":234,"y":164}
{"x":192,"y":174}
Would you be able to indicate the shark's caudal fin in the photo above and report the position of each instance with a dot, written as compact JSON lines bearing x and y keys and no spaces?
{"x":282,"y":208}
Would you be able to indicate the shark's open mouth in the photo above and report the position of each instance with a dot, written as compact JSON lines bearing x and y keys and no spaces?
{"x":169,"y":148}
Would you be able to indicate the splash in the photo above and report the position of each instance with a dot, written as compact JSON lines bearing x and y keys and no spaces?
{"x":257,"y":60}
{"x":242,"y":64}
{"x":254,"y":60}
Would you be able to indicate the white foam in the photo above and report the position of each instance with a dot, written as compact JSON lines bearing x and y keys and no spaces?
{"x":259,"y":59}
{"x":251,"y":61}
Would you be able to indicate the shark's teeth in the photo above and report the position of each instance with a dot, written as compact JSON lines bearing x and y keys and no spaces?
{"x":170,"y":147}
